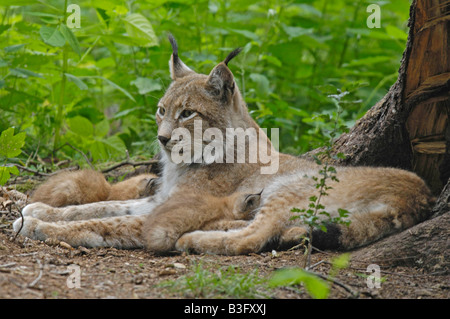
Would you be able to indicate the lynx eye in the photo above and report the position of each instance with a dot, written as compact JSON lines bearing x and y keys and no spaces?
{"x":187,"y":114}
{"x":161,"y":111}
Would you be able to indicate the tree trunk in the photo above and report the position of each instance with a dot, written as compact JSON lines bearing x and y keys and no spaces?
{"x":409,"y":129}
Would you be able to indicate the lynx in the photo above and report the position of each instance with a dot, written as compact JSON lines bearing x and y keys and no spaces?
{"x":191,"y":207}
{"x":88,"y":186}
{"x":109,"y":230}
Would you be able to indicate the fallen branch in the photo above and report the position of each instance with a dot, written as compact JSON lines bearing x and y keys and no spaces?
{"x":127,"y":162}
{"x":34,"y":282}
{"x":26,"y":169}
{"x":355,"y":294}
{"x":82,"y":153}
{"x":23,"y":168}
{"x":21,"y":224}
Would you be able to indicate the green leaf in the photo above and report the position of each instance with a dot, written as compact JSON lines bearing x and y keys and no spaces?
{"x":396,"y":32}
{"x":101,"y":128}
{"x":4,"y":27}
{"x":13,"y":48}
{"x":263,"y":85}
{"x":52,"y":36}
{"x":78,"y":82}
{"x":315,"y":286}
{"x":117,"y":87}
{"x":98,"y":151}
{"x":71,"y":38}
{"x":23,"y":73}
{"x":123,"y":113}
{"x":105,"y":149}
{"x":369,"y":61}
{"x":81,"y":126}
{"x":341,"y":261}
{"x":146,"y":85}
{"x":16,"y":2}
{"x":5,"y":173}
{"x":139,"y":27}
{"x":294,"y":32}
{"x":248,"y":34}
{"x":271,"y":59}
{"x":115,"y":145}
{"x":10,"y":144}
{"x":114,"y":85}
{"x":343,"y":212}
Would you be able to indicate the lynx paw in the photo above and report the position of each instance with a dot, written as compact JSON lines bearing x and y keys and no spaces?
{"x":40,"y":211}
{"x":219,"y":242}
{"x":148,"y":186}
{"x":211,"y":242}
{"x":30,"y":228}
{"x":190,"y":241}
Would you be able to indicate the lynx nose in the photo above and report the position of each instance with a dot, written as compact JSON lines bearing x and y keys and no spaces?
{"x":163,"y":139}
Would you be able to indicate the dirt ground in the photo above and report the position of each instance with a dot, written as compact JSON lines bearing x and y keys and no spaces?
{"x":36,"y":270}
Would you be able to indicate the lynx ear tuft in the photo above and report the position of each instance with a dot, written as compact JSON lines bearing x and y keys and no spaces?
{"x":177,"y":68}
{"x":232,"y":55}
{"x":174,"y":44}
{"x":221,"y":80}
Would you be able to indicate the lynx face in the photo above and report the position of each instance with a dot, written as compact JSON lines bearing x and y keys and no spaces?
{"x":208,"y":101}
{"x":246,"y":206}
{"x":189,"y":100}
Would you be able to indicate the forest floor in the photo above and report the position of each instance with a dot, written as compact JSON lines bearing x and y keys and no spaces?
{"x":32,"y":269}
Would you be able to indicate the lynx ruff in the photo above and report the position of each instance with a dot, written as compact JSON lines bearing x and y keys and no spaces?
{"x":196,"y":151}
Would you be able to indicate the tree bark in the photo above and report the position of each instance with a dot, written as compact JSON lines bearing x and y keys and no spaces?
{"x":409,"y":129}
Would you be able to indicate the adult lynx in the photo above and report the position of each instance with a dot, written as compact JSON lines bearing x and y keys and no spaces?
{"x":193,"y":195}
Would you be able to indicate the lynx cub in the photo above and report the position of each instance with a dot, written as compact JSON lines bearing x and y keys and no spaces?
{"x":87,"y":186}
{"x":191,"y":207}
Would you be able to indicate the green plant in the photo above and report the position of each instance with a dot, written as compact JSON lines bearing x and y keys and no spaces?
{"x":10,"y":147}
{"x":317,"y":285}
{"x":315,"y":216}
{"x":228,"y":282}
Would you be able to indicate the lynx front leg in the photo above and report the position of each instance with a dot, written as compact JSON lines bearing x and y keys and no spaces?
{"x":120,"y":232}
{"x":267,"y":227}
{"x":47,"y":213}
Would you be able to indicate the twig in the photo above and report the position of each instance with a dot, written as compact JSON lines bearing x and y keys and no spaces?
{"x":127,"y":162}
{"x":436,"y":273}
{"x":23,"y":168}
{"x":21,"y":218}
{"x":73,"y":168}
{"x":354,"y":293}
{"x":34,"y":282}
{"x":26,"y":254}
{"x":317,"y":264}
{"x":8,"y":265}
{"x":82,"y":153}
